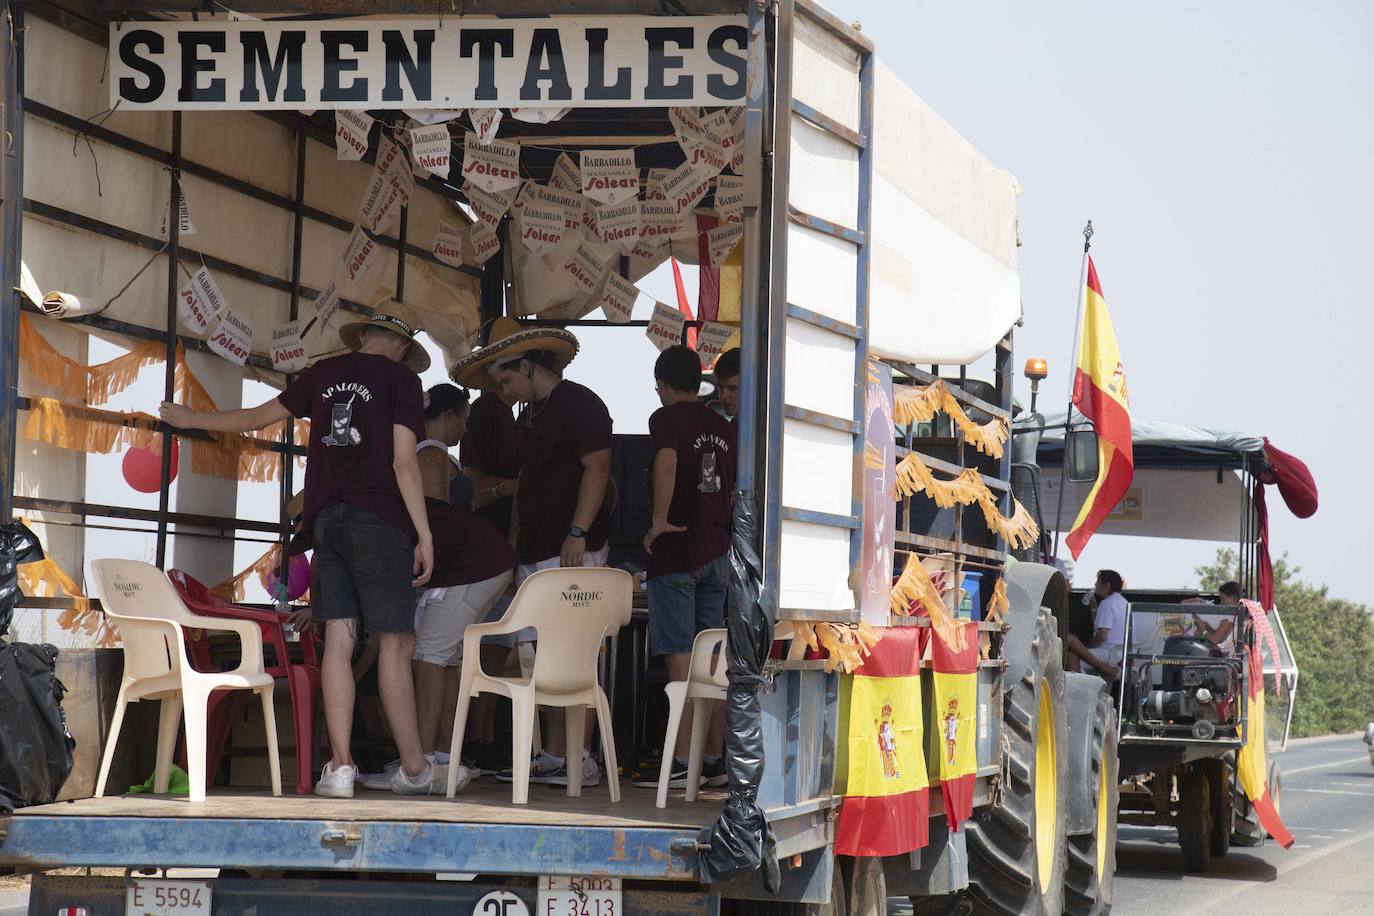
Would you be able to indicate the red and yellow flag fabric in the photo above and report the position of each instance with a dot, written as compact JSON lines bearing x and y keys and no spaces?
{"x":1252,"y":770}
{"x":881,"y":765}
{"x":954,"y":720}
{"x":1099,"y":393}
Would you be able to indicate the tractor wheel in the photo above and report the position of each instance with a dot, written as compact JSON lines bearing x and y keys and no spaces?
{"x":865,"y":885}
{"x":1246,"y":829}
{"x":1017,"y":849}
{"x":1218,"y":774}
{"x":1092,"y":856}
{"x":1194,"y":819}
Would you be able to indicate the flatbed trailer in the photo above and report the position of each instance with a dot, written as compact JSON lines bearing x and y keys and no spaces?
{"x":843,"y":262}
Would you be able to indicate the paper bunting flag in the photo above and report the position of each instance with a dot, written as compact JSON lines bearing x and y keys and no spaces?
{"x":586,"y":266}
{"x":185,"y":227}
{"x":737,"y":150}
{"x":199,"y":302}
{"x":730,"y":198}
{"x":538,"y":115}
{"x":360,"y":257}
{"x":712,"y":340}
{"x":685,"y":186}
{"x":448,"y":244}
{"x":350,"y":133}
{"x":566,"y":174}
{"x":483,"y":241}
{"x":722,"y":240}
{"x":326,"y":306}
{"x":707,"y":159}
{"x":618,"y":298}
{"x":484,"y":122}
{"x":726,"y":134}
{"x":288,"y":350}
{"x":618,"y":225}
{"x":653,"y":185}
{"x":490,"y":207}
{"x":232,"y":338}
{"x":610,"y":176}
{"x":492,"y":167}
{"x":432,"y":147}
{"x":431,"y":116}
{"x":687,"y":126}
{"x":665,"y":328}
{"x":542,"y":224}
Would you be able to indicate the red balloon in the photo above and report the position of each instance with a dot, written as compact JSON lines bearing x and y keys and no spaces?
{"x":143,"y":466}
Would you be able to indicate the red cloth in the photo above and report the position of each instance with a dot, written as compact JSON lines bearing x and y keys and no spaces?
{"x":1296,"y":485}
{"x":708,"y":277}
{"x":683,"y":305}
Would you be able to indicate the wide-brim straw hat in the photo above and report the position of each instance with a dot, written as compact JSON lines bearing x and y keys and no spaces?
{"x":396,"y":317}
{"x":296,"y":506}
{"x":507,"y":341}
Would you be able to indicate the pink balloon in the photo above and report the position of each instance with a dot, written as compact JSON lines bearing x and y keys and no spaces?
{"x":297,"y":578}
{"x":143,"y":466}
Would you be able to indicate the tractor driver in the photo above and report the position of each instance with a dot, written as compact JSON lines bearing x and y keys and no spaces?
{"x":1104,"y":652}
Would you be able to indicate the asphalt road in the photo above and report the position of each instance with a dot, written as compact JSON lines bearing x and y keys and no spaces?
{"x":1327,"y":803}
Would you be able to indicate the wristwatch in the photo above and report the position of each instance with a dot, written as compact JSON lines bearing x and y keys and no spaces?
{"x":576,"y":532}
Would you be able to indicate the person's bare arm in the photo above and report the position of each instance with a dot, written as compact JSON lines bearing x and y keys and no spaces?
{"x":483,"y":484}
{"x":224,"y":421}
{"x":665,"y":482}
{"x":1100,"y":636}
{"x":434,"y":473}
{"x":407,"y":470}
{"x":596,"y":473}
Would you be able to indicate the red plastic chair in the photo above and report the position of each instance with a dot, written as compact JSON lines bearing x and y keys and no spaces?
{"x":302,"y":678}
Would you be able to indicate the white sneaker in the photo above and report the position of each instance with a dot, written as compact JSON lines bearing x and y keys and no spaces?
{"x":543,"y":766}
{"x":380,"y":782}
{"x":591,"y":773}
{"x":433,"y":781}
{"x":336,"y":783}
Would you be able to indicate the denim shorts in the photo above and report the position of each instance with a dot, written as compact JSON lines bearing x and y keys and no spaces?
{"x":364,"y":567}
{"x":681,"y":605}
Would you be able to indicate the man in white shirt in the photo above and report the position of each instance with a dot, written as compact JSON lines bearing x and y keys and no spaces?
{"x":1104,"y":652}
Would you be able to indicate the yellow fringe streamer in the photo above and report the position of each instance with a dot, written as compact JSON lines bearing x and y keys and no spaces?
{"x":45,"y":579}
{"x":967,"y":489}
{"x":915,"y":585}
{"x":847,"y":644}
{"x":92,"y":384}
{"x":997,"y":602}
{"x":232,"y":590}
{"x":917,"y":404}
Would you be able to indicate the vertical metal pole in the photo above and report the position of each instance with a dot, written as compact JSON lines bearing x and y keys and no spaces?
{"x":401,"y":255}
{"x":491,"y":303}
{"x":863,"y":219}
{"x":11,"y":229}
{"x":169,"y":379}
{"x":1068,"y":412}
{"x":288,"y":460}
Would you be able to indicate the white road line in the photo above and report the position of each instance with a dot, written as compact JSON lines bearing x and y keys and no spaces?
{"x":1323,"y":766}
{"x":1326,"y":850}
{"x":1331,"y":792}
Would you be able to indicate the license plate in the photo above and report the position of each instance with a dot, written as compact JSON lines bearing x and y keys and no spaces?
{"x":167,"y":898}
{"x":579,"y":896}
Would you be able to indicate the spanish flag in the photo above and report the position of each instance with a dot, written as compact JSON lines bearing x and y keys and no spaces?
{"x":1099,"y":393}
{"x":881,"y":765}
{"x":1252,"y":770}
{"x":954,"y":720}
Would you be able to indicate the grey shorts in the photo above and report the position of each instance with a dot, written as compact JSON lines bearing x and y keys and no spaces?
{"x":364,"y":567}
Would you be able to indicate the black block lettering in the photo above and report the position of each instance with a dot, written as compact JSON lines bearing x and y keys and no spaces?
{"x":596,"y":69}
{"x":192,"y":64}
{"x":129,"y":56}
{"x":735,"y":63}
{"x":545,"y":43}
{"x":419,"y":70}
{"x":284,"y":66}
{"x":488,"y":42}
{"x":660,"y":63}
{"x":335,"y":67}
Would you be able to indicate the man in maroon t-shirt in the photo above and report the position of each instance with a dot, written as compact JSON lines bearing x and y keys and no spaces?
{"x":488,"y":455}
{"x":364,"y":503}
{"x":689,"y":541}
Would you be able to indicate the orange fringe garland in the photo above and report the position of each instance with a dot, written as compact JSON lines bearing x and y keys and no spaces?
{"x":997,"y":602}
{"x":1020,"y":530}
{"x":915,"y":585}
{"x":45,"y":579}
{"x":268,"y":563}
{"x":915,"y":404}
{"x":846,"y":645}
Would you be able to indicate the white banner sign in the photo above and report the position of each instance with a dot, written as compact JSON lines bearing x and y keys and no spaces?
{"x":350,"y":133}
{"x":485,"y":121}
{"x":618,"y":299}
{"x":185,"y":227}
{"x":490,"y":207}
{"x":492,"y":167}
{"x":360,"y":257}
{"x":541,"y":224}
{"x":712,"y":340}
{"x":618,"y":225}
{"x":610,"y":176}
{"x":570,"y":202}
{"x":326,"y":307}
{"x":538,"y":115}
{"x":684,"y":186}
{"x":380,"y":208}
{"x":194,"y":310}
{"x":288,"y":350}
{"x":233,"y":337}
{"x":448,"y":244}
{"x":665,"y":328}
{"x":431,"y":147}
{"x":660,"y":220}
{"x":722,"y":240}
{"x":586,"y":266}
{"x":484,"y":242}
{"x":429,"y":117}
{"x":426,"y":63}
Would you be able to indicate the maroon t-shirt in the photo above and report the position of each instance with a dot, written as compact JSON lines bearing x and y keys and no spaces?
{"x":489,"y":446}
{"x":553,"y":436}
{"x":352,"y":402}
{"x":467,"y":548}
{"x":705,"y":446}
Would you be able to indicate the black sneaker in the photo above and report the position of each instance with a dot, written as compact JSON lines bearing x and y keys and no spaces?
{"x":677,"y":778}
{"x":591,"y":774}
{"x":714,"y":774}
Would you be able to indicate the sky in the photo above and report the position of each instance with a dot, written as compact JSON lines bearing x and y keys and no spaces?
{"x":1223,"y":152}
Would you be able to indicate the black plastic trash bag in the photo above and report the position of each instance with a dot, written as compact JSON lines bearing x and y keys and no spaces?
{"x":741,"y":841}
{"x":17,"y":545}
{"x":35,"y":746}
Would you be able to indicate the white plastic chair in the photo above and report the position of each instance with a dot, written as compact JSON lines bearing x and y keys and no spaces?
{"x":703,"y":687}
{"x":138,"y":598}
{"x":573,"y":610}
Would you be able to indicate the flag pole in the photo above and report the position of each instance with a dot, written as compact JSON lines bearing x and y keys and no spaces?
{"x":1073,"y":374}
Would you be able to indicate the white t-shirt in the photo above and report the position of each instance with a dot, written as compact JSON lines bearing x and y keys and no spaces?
{"x":1111,"y":616}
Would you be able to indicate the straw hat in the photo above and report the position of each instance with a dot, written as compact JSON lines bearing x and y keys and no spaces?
{"x":509,"y":340}
{"x":296,"y":506}
{"x":396,"y":317}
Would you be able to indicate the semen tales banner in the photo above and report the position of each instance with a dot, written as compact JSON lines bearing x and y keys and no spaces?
{"x":558,"y":62}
